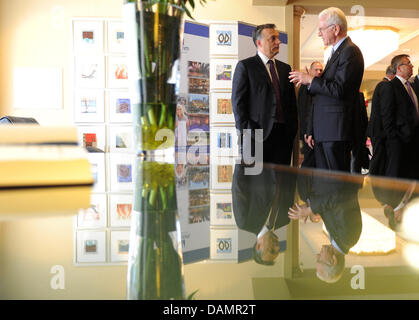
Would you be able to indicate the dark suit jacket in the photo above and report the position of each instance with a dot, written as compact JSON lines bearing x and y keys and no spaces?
{"x":415,"y":85}
{"x":304,"y":109}
{"x":253,"y":97}
{"x":253,"y":197}
{"x":335,"y":93}
{"x":336,"y":201}
{"x":360,"y":152}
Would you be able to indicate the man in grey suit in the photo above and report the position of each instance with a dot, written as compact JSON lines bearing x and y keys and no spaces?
{"x":263,"y":98}
{"x":335,"y":94}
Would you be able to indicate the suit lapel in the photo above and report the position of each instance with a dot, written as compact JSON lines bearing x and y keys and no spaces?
{"x":262,"y":69}
{"x":336,"y":54}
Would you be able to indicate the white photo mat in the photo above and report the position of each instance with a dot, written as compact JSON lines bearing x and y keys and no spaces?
{"x":223,"y":39}
{"x":89,"y":106}
{"x":120,"y":209}
{"x":122,"y":175}
{"x":96,"y":215}
{"x":222,"y":209}
{"x":121,"y":138}
{"x":119,"y":246}
{"x":224,"y":244}
{"x":97,"y":163}
{"x":89,"y":72}
{"x":116,"y":37}
{"x":221,"y":108}
{"x":91,"y":246}
{"x":88,"y":134}
{"x":119,"y":107}
{"x":117,"y":72}
{"x":223,"y":142}
{"x":221,"y":73}
{"x":222,"y":175}
{"x":88,"y":37}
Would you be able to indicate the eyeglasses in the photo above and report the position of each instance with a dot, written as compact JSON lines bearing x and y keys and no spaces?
{"x":406,"y":64}
{"x":324,"y":28}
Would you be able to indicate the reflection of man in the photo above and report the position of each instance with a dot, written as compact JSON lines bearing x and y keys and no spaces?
{"x":260,"y":205}
{"x":335,"y":93}
{"x":336,"y":201}
{"x":263,"y":98}
{"x":304,"y":111}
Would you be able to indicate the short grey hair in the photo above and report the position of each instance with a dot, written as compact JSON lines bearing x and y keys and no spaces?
{"x":333,"y":274}
{"x":390,"y":71}
{"x":335,"y":16}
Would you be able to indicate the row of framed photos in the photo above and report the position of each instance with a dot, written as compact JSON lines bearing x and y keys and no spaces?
{"x":98,"y":106}
{"x":101,"y":247}
{"x":97,"y":36}
{"x":109,"y":138}
{"x":100,"y":71}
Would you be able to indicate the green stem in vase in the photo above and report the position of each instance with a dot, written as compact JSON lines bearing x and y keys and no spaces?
{"x":162,"y":115}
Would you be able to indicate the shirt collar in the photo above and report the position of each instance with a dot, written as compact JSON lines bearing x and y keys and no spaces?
{"x":264,"y":58}
{"x":403,"y":80}
{"x":336,"y":46}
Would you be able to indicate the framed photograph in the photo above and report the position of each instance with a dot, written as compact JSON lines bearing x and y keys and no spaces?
{"x":97,"y":164}
{"x":222,"y":176}
{"x":92,"y":136}
{"x":121,"y":138}
{"x":224,"y":142}
{"x":119,"y":107}
{"x":197,"y":103}
{"x":199,"y":214}
{"x":221,"y":108}
{"x":88,"y":37}
{"x":96,"y":215}
{"x":221,"y":73}
{"x":198,"y":85}
{"x":120,"y":208}
{"x":91,"y":246}
{"x":224,"y":244}
{"x":223,"y":39}
{"x":116,"y":37}
{"x":198,"y":69}
{"x":199,"y":198}
{"x":117,"y":72}
{"x":89,"y":72}
{"x":89,"y":106}
{"x":121,"y":172}
{"x":198,"y":177}
{"x":222,"y":209}
{"x":119,"y":246}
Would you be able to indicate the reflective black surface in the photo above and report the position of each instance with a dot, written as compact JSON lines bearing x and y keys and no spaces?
{"x":358,"y":231}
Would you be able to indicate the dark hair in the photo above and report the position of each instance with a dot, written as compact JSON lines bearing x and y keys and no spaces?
{"x":257,"y":256}
{"x":256,"y":35}
{"x":397,"y":60}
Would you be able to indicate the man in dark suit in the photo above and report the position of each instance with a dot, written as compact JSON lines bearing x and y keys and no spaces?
{"x":415,"y":84}
{"x":263,"y":98}
{"x":335,"y":94}
{"x":260,"y":206}
{"x":335,"y":200}
{"x":304,"y":113}
{"x":394,"y":124}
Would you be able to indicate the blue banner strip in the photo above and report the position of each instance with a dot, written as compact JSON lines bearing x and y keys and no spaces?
{"x":196,"y":255}
{"x":283,"y":37}
{"x":196,"y":29}
{"x":246,"y":30}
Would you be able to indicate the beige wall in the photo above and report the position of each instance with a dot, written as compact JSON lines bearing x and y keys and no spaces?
{"x":37,"y":33}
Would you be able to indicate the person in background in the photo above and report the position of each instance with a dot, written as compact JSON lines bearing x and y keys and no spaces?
{"x":304,"y":113}
{"x":262,"y":98}
{"x":390,"y":74}
{"x":335,"y":94}
{"x":415,"y":84}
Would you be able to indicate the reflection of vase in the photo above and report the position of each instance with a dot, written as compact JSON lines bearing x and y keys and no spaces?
{"x":156,"y":37}
{"x":155,"y":268}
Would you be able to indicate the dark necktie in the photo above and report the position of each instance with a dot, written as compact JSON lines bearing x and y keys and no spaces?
{"x":275,"y":84}
{"x":275,"y":204}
